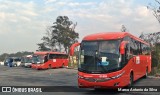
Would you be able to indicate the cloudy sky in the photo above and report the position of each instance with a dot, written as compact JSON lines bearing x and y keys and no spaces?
{"x":23,"y":22}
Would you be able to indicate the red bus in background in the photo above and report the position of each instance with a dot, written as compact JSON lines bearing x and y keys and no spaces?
{"x":114,"y":59}
{"x":46,"y":60}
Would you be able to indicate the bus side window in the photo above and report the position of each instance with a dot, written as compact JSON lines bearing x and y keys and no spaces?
{"x":126,"y":56}
{"x":51,"y":56}
{"x":45,"y":58}
{"x":65,"y":56}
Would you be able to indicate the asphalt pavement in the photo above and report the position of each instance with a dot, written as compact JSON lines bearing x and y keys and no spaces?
{"x":61,"y":79}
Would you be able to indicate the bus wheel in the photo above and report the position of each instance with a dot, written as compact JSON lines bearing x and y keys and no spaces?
{"x":146,"y":74}
{"x":131,"y":80}
{"x":49,"y":66}
{"x":15,"y":65}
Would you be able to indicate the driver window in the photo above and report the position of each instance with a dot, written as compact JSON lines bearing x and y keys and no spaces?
{"x":127,"y":52}
{"x":45,"y":58}
{"x":108,"y":47}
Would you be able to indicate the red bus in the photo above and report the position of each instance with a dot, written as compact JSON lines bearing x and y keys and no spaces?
{"x":46,"y":60}
{"x":112,"y":60}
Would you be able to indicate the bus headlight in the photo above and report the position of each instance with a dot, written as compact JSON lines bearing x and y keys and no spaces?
{"x":81,"y":77}
{"x":119,"y":75}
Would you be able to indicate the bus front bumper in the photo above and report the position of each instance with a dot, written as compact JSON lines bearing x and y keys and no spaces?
{"x":38,"y":66}
{"x":108,"y":82}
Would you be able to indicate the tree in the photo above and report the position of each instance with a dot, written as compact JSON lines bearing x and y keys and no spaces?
{"x":42,"y":47}
{"x":49,"y":40}
{"x":65,"y":32}
{"x":61,"y":35}
{"x":3,"y":56}
{"x":154,"y":40}
{"x":155,"y":9}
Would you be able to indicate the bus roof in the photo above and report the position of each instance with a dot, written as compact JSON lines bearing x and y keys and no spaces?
{"x":47,"y":52}
{"x":111,"y":36}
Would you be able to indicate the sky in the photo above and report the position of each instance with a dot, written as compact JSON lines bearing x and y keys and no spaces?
{"x":23,"y":22}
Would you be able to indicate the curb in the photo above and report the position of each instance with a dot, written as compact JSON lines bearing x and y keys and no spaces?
{"x":155,"y":77}
{"x":72,"y":68}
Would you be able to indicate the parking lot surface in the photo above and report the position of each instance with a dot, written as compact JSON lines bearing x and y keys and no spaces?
{"x":19,"y":76}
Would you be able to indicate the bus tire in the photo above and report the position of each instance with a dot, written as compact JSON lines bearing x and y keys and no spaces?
{"x":146,"y":74}
{"x":131,"y":79}
{"x":15,"y":65}
{"x":49,"y":66}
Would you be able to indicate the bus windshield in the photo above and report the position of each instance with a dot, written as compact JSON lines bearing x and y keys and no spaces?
{"x":99,"y":56}
{"x":28,"y":60}
{"x":38,"y":59}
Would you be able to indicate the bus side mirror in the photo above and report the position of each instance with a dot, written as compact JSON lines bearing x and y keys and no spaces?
{"x":73,"y":46}
{"x":122,"y":47}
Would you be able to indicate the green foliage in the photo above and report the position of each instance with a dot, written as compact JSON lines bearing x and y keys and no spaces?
{"x":3,"y":56}
{"x":154,"y":59}
{"x":155,"y":55}
{"x":64,"y":32}
{"x":42,"y":47}
{"x":158,"y":69}
{"x":153,"y":40}
{"x":61,"y":35}
{"x":154,"y":62}
{"x":48,"y":40}
{"x":153,"y":72}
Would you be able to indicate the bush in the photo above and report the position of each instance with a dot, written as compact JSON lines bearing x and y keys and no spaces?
{"x":154,"y":62}
{"x":154,"y":71}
